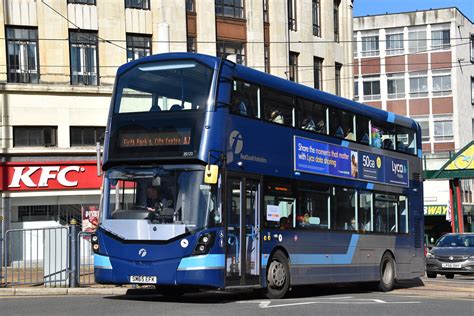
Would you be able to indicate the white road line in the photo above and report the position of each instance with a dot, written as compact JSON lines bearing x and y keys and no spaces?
{"x":369,"y":301}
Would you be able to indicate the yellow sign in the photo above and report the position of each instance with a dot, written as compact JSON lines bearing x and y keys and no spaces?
{"x":465,"y":160}
{"x":433,"y":210}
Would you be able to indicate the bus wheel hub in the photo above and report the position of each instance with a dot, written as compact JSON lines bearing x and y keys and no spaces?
{"x":277,"y":274}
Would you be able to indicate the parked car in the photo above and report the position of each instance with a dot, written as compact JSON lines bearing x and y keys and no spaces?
{"x":452,"y":254}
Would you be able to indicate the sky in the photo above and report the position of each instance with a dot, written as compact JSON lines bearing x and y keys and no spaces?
{"x":364,"y":7}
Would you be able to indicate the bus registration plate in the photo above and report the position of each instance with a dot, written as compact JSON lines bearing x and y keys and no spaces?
{"x":451,"y":265}
{"x":143,"y":279}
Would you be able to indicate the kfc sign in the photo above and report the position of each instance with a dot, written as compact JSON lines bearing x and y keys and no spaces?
{"x":51,"y":176}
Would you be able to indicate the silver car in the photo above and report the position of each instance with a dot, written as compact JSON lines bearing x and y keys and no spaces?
{"x":452,"y":254}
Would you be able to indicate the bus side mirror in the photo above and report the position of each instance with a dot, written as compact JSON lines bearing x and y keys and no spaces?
{"x":210,"y":174}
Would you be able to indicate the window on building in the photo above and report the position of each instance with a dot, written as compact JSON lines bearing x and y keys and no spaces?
{"x":316,"y":12}
{"x":472,"y":90}
{"x":424,"y":122}
{"x":190,"y":6}
{"x":341,"y":124}
{"x":266,"y":18}
{"x":230,"y":8}
{"x":277,"y":107}
{"x":396,"y":86}
{"x":191,"y":44}
{"x":312,"y":116}
{"x":441,"y":82}
{"x":244,"y":99}
{"x":90,"y":2}
{"x":472,"y":48}
{"x":225,"y":49}
{"x":443,"y":128}
{"x":318,"y":73}
{"x":356,"y":90}
{"x":440,"y":39}
{"x":394,"y":44}
{"x":337,"y":78}
{"x":370,"y":46}
{"x":138,"y":46}
{"x":336,"y":20}
{"x":84,"y":57}
{"x":293,"y":67}
{"x":266,"y":53}
{"x":371,"y":87}
{"x":86,"y":135}
{"x":418,"y":84}
{"x":137,"y":4}
{"x":279,"y":205}
{"x":343,"y":209}
{"x":417,"y":41}
{"x":291,"y":15}
{"x":365,"y":212}
{"x":313,"y":207}
{"x":22,"y":51}
{"x":29,"y":136}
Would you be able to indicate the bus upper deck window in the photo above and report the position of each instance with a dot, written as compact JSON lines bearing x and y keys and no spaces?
{"x":406,"y":140}
{"x":277,"y":108}
{"x":383,"y":136}
{"x":312,"y":117}
{"x":244,"y":99}
{"x":362,"y":127}
{"x":341,"y":124}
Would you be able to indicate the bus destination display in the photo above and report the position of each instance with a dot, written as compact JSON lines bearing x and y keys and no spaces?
{"x":181,"y":137}
{"x":327,"y":159}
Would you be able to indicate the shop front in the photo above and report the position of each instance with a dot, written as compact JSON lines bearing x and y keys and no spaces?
{"x":49,"y":194}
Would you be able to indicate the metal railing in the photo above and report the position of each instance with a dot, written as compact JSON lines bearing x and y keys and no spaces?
{"x":36,"y":257}
{"x":85,"y":260}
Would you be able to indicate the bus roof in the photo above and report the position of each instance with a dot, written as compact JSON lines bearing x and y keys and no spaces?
{"x":283,"y":85}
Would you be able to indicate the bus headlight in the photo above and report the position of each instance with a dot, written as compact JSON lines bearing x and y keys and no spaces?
{"x":95,"y":243}
{"x":205,"y":243}
{"x":429,"y":255}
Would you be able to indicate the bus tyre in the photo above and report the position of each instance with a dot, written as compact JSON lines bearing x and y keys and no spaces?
{"x":278,"y":276}
{"x":387,"y":273}
{"x":431,"y":275}
{"x":449,"y":275}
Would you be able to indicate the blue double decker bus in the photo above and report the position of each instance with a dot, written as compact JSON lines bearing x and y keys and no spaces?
{"x":220,"y":176}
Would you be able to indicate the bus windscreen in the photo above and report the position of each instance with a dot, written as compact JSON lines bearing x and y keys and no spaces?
{"x":163,"y":86}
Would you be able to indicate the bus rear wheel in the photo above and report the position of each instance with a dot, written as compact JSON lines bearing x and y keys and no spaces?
{"x":278,"y":276}
{"x":387,"y":273}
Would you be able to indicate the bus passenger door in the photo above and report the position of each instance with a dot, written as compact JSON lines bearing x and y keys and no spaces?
{"x":243,"y":231}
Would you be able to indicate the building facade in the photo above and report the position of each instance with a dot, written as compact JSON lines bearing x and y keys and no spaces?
{"x":58,"y":60}
{"x":420,"y":64}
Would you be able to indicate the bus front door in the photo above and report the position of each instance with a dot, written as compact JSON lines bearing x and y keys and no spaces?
{"x":243,"y":231}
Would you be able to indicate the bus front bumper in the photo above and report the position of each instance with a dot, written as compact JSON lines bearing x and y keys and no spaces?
{"x":207,"y":270}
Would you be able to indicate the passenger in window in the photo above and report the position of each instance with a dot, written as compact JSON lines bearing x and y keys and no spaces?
{"x":349,"y":135}
{"x":388,"y":144}
{"x":321,"y":127}
{"x":353,"y":224}
{"x":276,"y":117}
{"x":308,"y":124}
{"x":339,"y":132}
{"x":284,"y":223}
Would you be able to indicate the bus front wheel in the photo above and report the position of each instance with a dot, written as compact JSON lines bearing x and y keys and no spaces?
{"x":387,"y":273}
{"x":278,"y":276}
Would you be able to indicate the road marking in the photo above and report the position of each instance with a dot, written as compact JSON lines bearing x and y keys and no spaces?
{"x":353,"y":301}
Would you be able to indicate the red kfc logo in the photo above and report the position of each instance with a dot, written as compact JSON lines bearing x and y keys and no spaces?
{"x":49,"y":176}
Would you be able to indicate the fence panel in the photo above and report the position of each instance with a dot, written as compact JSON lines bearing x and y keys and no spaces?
{"x":86,"y":260}
{"x":36,"y":257}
